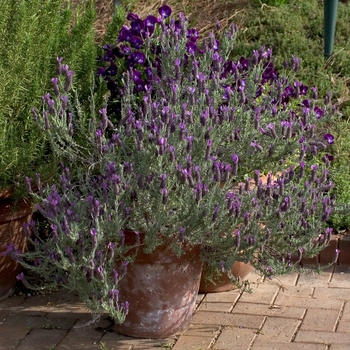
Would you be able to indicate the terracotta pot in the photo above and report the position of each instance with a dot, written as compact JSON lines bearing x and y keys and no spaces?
{"x":224,"y":284}
{"x":161,"y":289}
{"x":12,"y":218}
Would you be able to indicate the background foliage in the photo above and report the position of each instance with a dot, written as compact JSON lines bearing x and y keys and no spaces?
{"x":33,"y":33}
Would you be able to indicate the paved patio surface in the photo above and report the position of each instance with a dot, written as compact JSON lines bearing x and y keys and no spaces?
{"x":294,"y":312}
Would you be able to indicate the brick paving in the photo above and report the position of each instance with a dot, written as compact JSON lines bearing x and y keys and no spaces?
{"x":293,"y":312}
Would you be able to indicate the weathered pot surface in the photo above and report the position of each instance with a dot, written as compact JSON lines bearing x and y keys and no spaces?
{"x":13,"y":215}
{"x":161,"y":289}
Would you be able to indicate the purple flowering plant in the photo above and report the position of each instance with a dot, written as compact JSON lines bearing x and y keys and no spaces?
{"x":183,"y":163}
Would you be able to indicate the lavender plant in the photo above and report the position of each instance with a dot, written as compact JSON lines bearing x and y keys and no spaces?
{"x":183,"y":164}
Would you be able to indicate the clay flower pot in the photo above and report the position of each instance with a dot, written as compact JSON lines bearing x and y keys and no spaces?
{"x":12,"y":218}
{"x":161,"y":289}
{"x":224,"y":284}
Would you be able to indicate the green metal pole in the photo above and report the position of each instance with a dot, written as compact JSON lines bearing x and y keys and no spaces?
{"x":330,"y":19}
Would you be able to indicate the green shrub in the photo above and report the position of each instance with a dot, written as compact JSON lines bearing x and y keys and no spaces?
{"x":273,"y":2}
{"x":296,"y":28}
{"x":340,"y":175}
{"x":33,"y":33}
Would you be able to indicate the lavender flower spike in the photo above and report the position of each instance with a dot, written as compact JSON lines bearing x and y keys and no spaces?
{"x":235,"y":160}
{"x":69,"y":79}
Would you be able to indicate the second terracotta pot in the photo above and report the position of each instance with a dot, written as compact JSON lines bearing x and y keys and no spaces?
{"x":224,"y":284}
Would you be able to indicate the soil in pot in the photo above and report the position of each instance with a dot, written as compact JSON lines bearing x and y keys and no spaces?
{"x":161,"y":289}
{"x":12,"y":218}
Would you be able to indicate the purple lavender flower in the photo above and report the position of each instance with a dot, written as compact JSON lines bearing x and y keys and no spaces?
{"x":151,"y":21}
{"x":164,"y":11}
{"x":238,"y":238}
{"x":20,"y":276}
{"x":164,"y":196}
{"x":125,"y":266}
{"x":69,"y":78}
{"x":11,"y":250}
{"x":162,"y":180}
{"x":112,"y":70}
{"x":93,"y":233}
{"x":329,"y":138}
{"x":137,"y":57}
{"x":59,"y":65}
{"x":191,"y":47}
{"x":137,"y":25}
{"x":125,"y":34}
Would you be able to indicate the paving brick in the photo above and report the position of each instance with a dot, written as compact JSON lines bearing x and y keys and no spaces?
{"x":254,"y":278}
{"x":313,"y":279}
{"x":260,"y":344}
{"x":199,"y":298}
{"x":339,"y":347}
{"x":64,"y":309}
{"x":114,"y":341}
{"x":4,"y":314}
{"x":237,"y":338}
{"x":152,"y":344}
{"x":323,"y":337}
{"x":223,"y":307}
{"x":344,"y":323}
{"x":59,"y":322}
{"x":56,"y":305}
{"x":8,"y":344}
{"x":283,"y":300}
{"x":261,"y":294}
{"x":297,"y":291}
{"x":344,"y":247}
{"x":277,"y":329}
{"x":51,"y":299}
{"x":35,"y":312}
{"x":192,"y":343}
{"x":25,"y":321}
{"x":224,"y":319}
{"x":46,"y":339}
{"x":224,"y":297}
{"x":285,"y":280}
{"x":316,"y":320}
{"x":332,"y":293}
{"x":83,"y":345}
{"x":266,"y":310}
{"x":12,"y":302}
{"x":202,"y":330}
{"x":83,"y":337}
{"x":39,"y":304}
{"x":76,"y":310}
{"x":341,"y":277}
{"x":327,"y":254}
{"x":12,"y":336}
